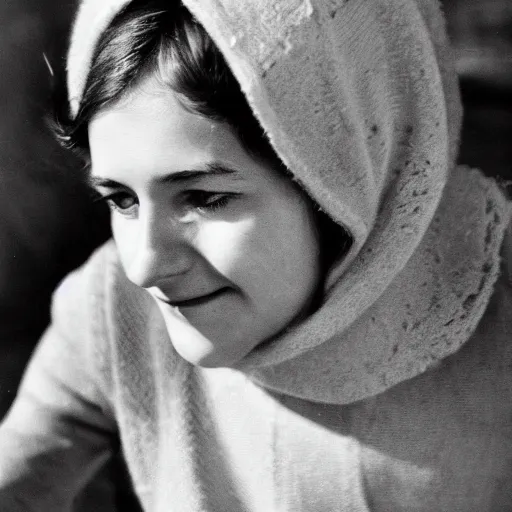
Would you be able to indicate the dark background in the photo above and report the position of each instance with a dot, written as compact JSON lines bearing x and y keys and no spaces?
{"x":48,"y":224}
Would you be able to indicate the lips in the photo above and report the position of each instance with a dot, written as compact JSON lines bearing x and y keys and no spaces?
{"x":197,"y":301}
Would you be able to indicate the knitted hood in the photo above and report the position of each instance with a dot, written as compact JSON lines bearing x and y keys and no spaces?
{"x":360,"y":100}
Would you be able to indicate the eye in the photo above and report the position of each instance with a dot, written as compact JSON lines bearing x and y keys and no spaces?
{"x":122,"y":202}
{"x":210,"y":201}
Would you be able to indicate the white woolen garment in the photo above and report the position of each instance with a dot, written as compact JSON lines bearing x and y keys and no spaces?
{"x":360,"y":101}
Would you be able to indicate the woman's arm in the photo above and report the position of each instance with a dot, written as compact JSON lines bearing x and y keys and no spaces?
{"x":59,"y":432}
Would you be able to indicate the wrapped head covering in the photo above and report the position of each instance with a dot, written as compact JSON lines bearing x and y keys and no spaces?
{"x":360,"y":100}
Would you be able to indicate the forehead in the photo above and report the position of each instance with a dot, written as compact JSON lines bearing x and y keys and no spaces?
{"x":150,"y":130}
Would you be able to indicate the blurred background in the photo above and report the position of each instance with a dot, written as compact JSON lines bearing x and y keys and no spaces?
{"x":48,"y":223}
{"x":481,"y":33}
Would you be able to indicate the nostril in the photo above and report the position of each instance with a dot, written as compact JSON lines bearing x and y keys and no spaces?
{"x":142,"y":268}
{"x":149,"y":267}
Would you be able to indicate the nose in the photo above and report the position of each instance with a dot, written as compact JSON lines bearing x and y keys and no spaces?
{"x":159,"y":251}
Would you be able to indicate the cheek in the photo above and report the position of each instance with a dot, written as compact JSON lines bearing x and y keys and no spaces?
{"x":288,"y":252}
{"x":228,"y":246}
{"x":272,"y":253}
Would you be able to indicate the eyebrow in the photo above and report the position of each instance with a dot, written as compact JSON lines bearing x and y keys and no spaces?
{"x":187,"y":175}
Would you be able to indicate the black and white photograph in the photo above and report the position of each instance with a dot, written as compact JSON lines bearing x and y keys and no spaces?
{"x":256,"y":256}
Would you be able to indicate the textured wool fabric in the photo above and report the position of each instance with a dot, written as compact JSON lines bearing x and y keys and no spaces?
{"x":211,"y":440}
{"x":360,"y":101}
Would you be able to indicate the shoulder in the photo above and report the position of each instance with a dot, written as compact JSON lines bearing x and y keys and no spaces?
{"x":81,"y":294}
{"x":90,"y":277}
{"x":93,"y":290}
{"x":97,"y":302}
{"x":489,"y":350}
{"x":105,"y":317}
{"x":481,"y":367}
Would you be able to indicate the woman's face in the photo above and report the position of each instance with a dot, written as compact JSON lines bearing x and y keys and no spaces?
{"x":225,"y":244}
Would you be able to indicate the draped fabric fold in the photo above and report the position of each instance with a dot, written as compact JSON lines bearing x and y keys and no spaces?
{"x":360,"y":100}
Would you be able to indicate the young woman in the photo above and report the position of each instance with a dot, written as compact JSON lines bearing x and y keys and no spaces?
{"x":306,"y":305}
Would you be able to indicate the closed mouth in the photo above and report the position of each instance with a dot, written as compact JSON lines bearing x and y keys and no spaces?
{"x":197,"y":301}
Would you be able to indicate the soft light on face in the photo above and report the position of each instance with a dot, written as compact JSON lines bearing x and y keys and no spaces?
{"x":225,"y":244}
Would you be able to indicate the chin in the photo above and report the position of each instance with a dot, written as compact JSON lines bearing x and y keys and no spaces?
{"x":206,"y":346}
{"x":208,"y":351}
{"x":211,"y":357}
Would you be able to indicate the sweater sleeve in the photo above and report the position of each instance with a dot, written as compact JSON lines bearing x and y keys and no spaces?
{"x":59,"y":433}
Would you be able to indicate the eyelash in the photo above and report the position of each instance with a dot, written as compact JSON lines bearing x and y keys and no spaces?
{"x":198,"y":199}
{"x":110,"y":200}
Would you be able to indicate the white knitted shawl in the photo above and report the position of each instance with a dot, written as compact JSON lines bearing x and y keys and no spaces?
{"x":360,"y":100}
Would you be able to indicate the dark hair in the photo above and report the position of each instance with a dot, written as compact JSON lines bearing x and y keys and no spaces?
{"x":150,"y":36}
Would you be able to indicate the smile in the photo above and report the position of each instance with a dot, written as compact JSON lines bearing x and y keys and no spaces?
{"x":198,"y":301}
